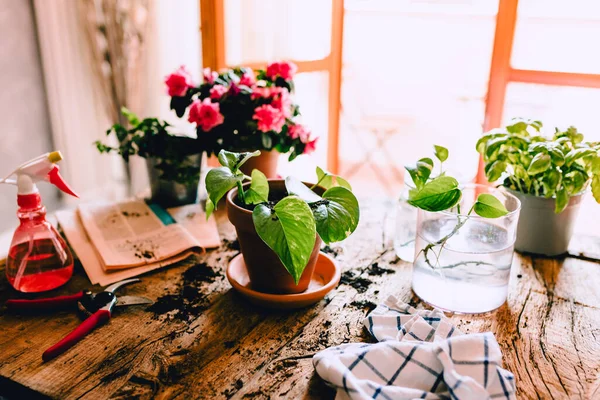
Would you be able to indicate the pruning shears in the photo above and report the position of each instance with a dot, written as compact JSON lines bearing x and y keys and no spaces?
{"x":96,"y":306}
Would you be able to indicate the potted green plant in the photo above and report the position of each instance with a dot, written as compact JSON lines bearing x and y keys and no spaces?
{"x":280,"y":223}
{"x":549,"y":175}
{"x":464,"y":241}
{"x":243,"y":110}
{"x":173,"y":160}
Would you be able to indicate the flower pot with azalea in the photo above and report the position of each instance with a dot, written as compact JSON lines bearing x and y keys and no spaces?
{"x":173,"y":160}
{"x":281,"y":223}
{"x":549,"y":174}
{"x":242,"y":110}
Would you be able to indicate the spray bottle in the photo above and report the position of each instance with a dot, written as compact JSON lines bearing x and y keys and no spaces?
{"x":38,"y":259}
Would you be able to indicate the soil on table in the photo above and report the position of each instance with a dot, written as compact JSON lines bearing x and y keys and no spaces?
{"x":190,"y":301}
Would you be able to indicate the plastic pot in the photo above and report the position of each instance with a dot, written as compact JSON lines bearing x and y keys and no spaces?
{"x":169,"y":193}
{"x":540,"y":229}
{"x":267,"y":273}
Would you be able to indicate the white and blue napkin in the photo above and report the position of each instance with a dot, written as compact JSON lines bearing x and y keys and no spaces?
{"x":420,"y":355}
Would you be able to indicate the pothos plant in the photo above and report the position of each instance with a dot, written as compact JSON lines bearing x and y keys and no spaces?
{"x":440,"y":193}
{"x":287,"y":222}
{"x":559,"y":167}
{"x":151,"y":138}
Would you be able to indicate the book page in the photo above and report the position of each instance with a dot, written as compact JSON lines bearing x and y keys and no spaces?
{"x":129,"y":234}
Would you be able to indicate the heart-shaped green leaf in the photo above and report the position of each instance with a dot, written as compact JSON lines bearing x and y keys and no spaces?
{"x":258,"y":192}
{"x":295,"y":187}
{"x":337,"y":214}
{"x":233,"y":161}
{"x":420,"y":172}
{"x":439,"y":194}
{"x":328,"y":180}
{"x":494,"y":171}
{"x":540,"y":163}
{"x":562,"y":199}
{"x":289,"y":230}
{"x":219,"y":181}
{"x":441,"y":152}
{"x":488,"y":206}
{"x":576,"y":154}
{"x":596,"y":187}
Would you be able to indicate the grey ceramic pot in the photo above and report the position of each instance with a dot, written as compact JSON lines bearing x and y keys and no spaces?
{"x":540,"y":229}
{"x":168,"y":193}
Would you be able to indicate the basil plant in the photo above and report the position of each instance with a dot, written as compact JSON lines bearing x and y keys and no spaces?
{"x":287,"y":222}
{"x":442,"y":192}
{"x":559,"y":167}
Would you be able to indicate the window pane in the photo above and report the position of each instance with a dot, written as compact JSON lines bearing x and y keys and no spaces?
{"x":557,"y":35}
{"x":261,"y":30}
{"x":311,"y":96}
{"x":556,"y":106}
{"x":415,"y":73}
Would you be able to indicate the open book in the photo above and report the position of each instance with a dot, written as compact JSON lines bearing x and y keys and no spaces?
{"x":118,"y":241}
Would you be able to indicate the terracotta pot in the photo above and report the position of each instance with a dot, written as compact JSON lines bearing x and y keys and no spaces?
{"x":265,"y":163}
{"x":267,"y":273}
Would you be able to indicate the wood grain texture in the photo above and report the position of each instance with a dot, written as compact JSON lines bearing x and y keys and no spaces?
{"x":223,"y":347}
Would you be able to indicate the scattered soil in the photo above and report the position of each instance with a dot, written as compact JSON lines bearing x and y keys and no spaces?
{"x":335,"y":252}
{"x":232,"y":244}
{"x":376,"y":270}
{"x":360,"y":284}
{"x":364,"y":305}
{"x":230,"y":344}
{"x":190,"y":301}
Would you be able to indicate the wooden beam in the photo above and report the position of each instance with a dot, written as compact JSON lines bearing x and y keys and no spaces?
{"x":555,"y":78}
{"x":506,"y":20}
{"x":335,"y":85}
{"x":303,"y":66}
{"x":212,"y":28}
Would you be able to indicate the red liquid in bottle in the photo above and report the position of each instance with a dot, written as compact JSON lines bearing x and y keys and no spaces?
{"x":38,"y":259}
{"x":46,"y":267}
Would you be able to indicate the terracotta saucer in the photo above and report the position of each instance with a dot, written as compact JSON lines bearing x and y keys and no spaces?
{"x":325,"y":278}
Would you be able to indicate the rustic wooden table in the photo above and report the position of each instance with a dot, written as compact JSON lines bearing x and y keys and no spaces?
{"x":201,"y":340}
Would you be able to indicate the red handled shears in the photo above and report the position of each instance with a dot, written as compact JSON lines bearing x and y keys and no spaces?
{"x":97,"y":306}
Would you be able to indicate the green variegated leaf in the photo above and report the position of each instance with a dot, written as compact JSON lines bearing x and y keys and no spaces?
{"x":439,"y":194}
{"x":596,"y":187}
{"x":336,"y":215}
{"x":258,"y":192}
{"x":562,"y":199}
{"x":540,"y":163}
{"x":441,"y":152}
{"x":219,"y":181}
{"x":488,"y":206}
{"x":295,"y":187}
{"x":289,"y":230}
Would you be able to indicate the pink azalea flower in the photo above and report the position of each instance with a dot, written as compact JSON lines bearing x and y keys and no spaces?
{"x":269,"y":118}
{"x":178,"y":82}
{"x":310,"y":146}
{"x":205,"y":114}
{"x":260,"y":92}
{"x":209,"y":76}
{"x":284,"y":69}
{"x":248,"y":79}
{"x":298,"y":131}
{"x":217,"y":91}
{"x":282,"y":100}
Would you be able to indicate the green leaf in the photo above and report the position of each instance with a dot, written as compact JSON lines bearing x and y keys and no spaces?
{"x":219,"y":181}
{"x":343,"y":183}
{"x":576,"y":154}
{"x":596,"y":187}
{"x":440,"y":194}
{"x":596,"y":165}
{"x":421,"y":172}
{"x":325,"y":179}
{"x":210,"y":207}
{"x":289,"y":230}
{"x":562,"y":199}
{"x":495,"y":170}
{"x":494,"y":145}
{"x":258,"y":192}
{"x":552,"y":178}
{"x":295,"y":187}
{"x":481,"y":144}
{"x":131,"y":117}
{"x":233,"y":161}
{"x":441,"y":152}
{"x":337,"y":214}
{"x":540,"y":163}
{"x":488,"y":206}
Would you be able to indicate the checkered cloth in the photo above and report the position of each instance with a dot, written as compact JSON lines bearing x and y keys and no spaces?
{"x":420,"y":355}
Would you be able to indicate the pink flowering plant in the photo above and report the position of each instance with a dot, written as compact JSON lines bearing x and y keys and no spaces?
{"x":242,"y":109}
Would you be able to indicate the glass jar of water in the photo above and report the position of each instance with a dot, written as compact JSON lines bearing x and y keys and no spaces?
{"x":406,"y":226}
{"x":462,"y":263}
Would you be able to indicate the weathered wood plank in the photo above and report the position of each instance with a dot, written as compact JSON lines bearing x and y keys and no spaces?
{"x":219,"y":346}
